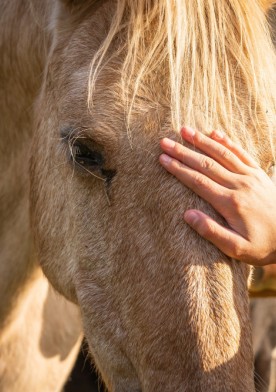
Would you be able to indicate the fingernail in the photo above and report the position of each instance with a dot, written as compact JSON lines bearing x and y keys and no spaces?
{"x":168,"y":143}
{"x":218,"y":134}
{"x":191,"y":217}
{"x":188,"y":131}
{"x":165,"y":159}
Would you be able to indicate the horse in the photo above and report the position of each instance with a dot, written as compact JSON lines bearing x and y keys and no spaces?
{"x":92,"y":235}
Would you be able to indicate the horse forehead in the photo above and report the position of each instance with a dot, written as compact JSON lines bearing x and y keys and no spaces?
{"x":88,"y":20}
{"x":79,"y":77}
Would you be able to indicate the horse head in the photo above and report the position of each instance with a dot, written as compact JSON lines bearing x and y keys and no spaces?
{"x":161,"y":307}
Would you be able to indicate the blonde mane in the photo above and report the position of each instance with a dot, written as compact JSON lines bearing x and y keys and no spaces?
{"x":214,"y":59}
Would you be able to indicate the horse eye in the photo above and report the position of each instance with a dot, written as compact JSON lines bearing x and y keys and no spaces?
{"x":86,"y":157}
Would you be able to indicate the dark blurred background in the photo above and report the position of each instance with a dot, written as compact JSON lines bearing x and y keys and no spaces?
{"x":83,"y":377}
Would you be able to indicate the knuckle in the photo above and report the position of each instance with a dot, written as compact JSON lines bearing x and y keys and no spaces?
{"x":208,"y":230}
{"x":180,"y":153}
{"x":198,"y":137}
{"x":247,"y":182}
{"x":233,"y":200}
{"x":238,"y":251}
{"x":176,"y":166}
{"x":178,"y":148}
{"x":203,"y":230}
{"x":207,"y":163}
{"x":199,"y":181}
{"x":226,"y":154}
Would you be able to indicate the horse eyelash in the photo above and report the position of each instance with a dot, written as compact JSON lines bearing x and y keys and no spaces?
{"x":75,"y":150}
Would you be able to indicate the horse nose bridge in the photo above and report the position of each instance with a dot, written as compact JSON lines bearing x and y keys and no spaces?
{"x":171,"y":310}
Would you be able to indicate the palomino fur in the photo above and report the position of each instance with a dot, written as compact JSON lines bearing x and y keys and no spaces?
{"x":162,"y":309}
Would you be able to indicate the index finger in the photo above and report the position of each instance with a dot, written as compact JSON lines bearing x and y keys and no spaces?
{"x":209,"y":190}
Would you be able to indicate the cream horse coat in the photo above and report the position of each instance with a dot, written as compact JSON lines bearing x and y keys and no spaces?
{"x":81,"y":116}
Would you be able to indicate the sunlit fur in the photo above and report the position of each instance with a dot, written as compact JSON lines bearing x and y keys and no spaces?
{"x":162,"y":309}
{"x":214,"y":59}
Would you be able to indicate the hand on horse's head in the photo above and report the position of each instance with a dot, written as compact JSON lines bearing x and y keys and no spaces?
{"x":238,"y":189}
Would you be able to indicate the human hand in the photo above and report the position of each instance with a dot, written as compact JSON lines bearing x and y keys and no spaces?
{"x":237,"y":188}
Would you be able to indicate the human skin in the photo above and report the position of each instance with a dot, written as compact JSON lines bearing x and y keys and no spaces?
{"x":230,"y":180}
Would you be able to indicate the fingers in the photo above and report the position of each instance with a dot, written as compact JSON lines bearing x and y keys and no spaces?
{"x":212,"y":192}
{"x":229,"y":242}
{"x":199,"y":162}
{"x":216,"y":150}
{"x":221,"y":138}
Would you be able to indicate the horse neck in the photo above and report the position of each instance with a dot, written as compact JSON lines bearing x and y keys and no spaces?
{"x":24,"y":43}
